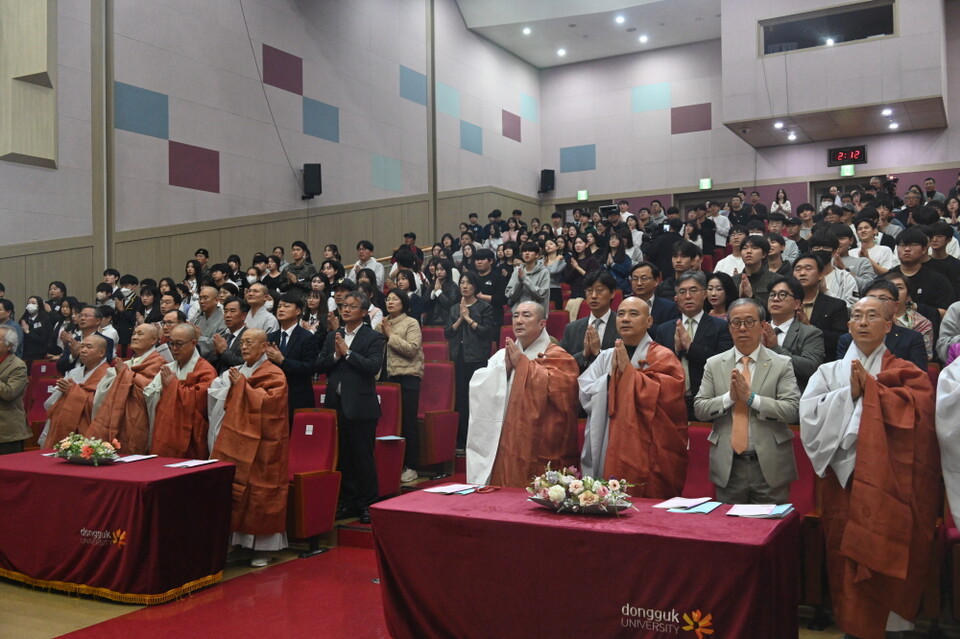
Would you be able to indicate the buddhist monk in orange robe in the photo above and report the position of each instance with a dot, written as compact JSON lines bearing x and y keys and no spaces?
{"x":637,"y":418}
{"x":523,"y":407}
{"x":120,"y":408}
{"x":249,"y":428}
{"x":70,"y":408}
{"x":881,"y":487}
{"x":177,"y":399}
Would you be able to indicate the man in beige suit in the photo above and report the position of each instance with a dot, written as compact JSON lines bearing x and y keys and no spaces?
{"x":750,"y":394}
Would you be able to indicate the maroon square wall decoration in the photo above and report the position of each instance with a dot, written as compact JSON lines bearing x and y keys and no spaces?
{"x":695,"y":117}
{"x":194,"y":168}
{"x":282,"y":70}
{"x":511,"y":126}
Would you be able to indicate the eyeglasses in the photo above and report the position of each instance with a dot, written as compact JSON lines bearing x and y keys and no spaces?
{"x":744,"y":323}
{"x":684,"y":292}
{"x":780,"y":295}
{"x":174,"y":344}
{"x":352,"y":307}
{"x":643,"y":279}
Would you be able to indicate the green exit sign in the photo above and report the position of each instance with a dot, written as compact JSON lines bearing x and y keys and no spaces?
{"x":706,"y":184}
{"x":846,"y":170}
{"x":583,"y":195}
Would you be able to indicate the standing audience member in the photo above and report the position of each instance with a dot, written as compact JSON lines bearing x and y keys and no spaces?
{"x":786,"y":335}
{"x":351,"y":358}
{"x":523,"y":407}
{"x":226,"y":347}
{"x":37,"y":329}
{"x":443,"y":294}
{"x":530,"y":281}
{"x":471,"y":329}
{"x":294,"y":350}
{"x":297,"y":276}
{"x":829,"y":314}
{"x":210,"y":320}
{"x":249,"y":428}
{"x":587,"y":337}
{"x":365,"y":260}
{"x":13,"y":384}
{"x":751,"y":396}
{"x":867,"y":424}
{"x":405,"y":367}
{"x":258,"y":316}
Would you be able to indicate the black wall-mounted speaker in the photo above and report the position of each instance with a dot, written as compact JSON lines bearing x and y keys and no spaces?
{"x":311,"y":180}
{"x":546,"y":180}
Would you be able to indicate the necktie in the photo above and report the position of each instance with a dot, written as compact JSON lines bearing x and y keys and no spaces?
{"x":283,"y":342}
{"x":230,"y":339}
{"x":598,"y":325}
{"x":689,"y":324}
{"x":778,"y":331}
{"x":741,"y":415}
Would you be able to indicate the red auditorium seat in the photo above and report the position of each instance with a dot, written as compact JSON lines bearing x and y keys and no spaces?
{"x":436,"y":351}
{"x":438,"y":421}
{"x":433,"y":334}
{"x":388,"y":450}
{"x":556,"y":323}
{"x":314,"y":480}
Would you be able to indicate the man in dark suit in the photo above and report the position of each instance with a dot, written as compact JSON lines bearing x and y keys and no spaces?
{"x":661,"y":249}
{"x":351,"y":358}
{"x":226,"y":349}
{"x":645,"y":277}
{"x":586,"y":337}
{"x":294,"y":349}
{"x":903,"y":342}
{"x":696,"y":336}
{"x":786,"y":335}
{"x":829,"y":314}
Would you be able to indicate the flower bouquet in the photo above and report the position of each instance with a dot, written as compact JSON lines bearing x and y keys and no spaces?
{"x":78,"y":449}
{"x":565,"y":490}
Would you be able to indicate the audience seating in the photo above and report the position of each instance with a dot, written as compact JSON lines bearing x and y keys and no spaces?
{"x":706,"y":264}
{"x":564,"y":293}
{"x":436,"y":351}
{"x":38,"y":391}
{"x":388,"y":450}
{"x":584,"y":310}
{"x":433,"y":334}
{"x":314,"y":480}
{"x":506,"y":331}
{"x":43,"y":368}
{"x":438,"y":421}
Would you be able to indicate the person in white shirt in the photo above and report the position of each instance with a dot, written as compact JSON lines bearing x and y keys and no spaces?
{"x":840,"y":283}
{"x":365,"y":260}
{"x":721,"y":223}
{"x":732,"y":264}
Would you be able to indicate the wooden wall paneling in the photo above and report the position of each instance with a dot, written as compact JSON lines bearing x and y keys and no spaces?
{"x":13,"y":274}
{"x":415,"y":216}
{"x":73,"y":267}
{"x":448,"y":216}
{"x":323,"y":230}
{"x":149,"y":257}
{"x":246,"y":240}
{"x":280,"y":233}
{"x":354,"y":226}
{"x":386,"y":230}
{"x":183,"y":247}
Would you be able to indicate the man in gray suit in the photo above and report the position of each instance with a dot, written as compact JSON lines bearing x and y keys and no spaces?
{"x":787,"y":334}
{"x":586,"y":337}
{"x":226,"y":348}
{"x":751,"y":395}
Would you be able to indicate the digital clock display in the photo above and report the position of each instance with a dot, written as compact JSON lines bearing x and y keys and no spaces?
{"x":847,"y":155}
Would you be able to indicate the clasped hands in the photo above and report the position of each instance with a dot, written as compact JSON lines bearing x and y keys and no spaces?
{"x":739,"y":387}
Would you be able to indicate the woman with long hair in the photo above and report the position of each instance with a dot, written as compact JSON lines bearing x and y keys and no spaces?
{"x":331,"y":252}
{"x":404,"y":366}
{"x":555,"y":265}
{"x":780,"y":203}
{"x":166,"y":285}
{"x":512,"y":233}
{"x":273,"y":277}
{"x":581,"y":263}
{"x":65,"y":321}
{"x":721,"y":291}
{"x":407,"y":282}
{"x":906,"y":314}
{"x":376,"y":295}
{"x":469,"y":256}
{"x":314,"y":317}
{"x":952,"y":206}
{"x":494,"y":239}
{"x":616,"y":262}
{"x":192,"y":272}
{"x":443,"y":295}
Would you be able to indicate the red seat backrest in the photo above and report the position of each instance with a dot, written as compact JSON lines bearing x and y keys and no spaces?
{"x":43,"y":368}
{"x":505,"y":332}
{"x":436,"y":350}
{"x":706,"y":264}
{"x":803,"y":492}
{"x":584,"y":309}
{"x":617,"y":298}
{"x":391,"y":412}
{"x":556,"y":322}
{"x":433,"y":334}
{"x":319,"y":394}
{"x":313,"y":441}
{"x":438,"y":382}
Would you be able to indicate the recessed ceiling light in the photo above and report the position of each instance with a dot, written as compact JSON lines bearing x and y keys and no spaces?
{"x":643,"y":39}
{"x":561,"y":52}
{"x":620,"y":19}
{"x":894,"y":125}
{"x":829,"y":42}
{"x":526,"y":31}
{"x":778,"y":125}
{"x":887,"y":112}
{"x":792,"y":136}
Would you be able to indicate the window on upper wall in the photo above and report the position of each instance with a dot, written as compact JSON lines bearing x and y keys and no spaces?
{"x":827,"y":27}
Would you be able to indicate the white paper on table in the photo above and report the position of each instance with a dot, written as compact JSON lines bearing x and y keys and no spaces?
{"x":449,"y":489}
{"x":134,"y":458}
{"x":190,"y":463}
{"x":390,"y":438}
{"x":682,"y":502}
{"x":751,"y":510}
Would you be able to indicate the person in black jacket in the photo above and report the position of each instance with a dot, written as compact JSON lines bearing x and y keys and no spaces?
{"x":351,"y":358}
{"x":471,"y":329}
{"x":126,"y":306}
{"x":442,"y":296}
{"x":827,"y":313}
{"x":294,"y":349}
{"x":37,"y":329}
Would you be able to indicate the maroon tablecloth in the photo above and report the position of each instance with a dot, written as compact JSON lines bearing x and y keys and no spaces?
{"x":137,"y":533}
{"x":495,"y":565}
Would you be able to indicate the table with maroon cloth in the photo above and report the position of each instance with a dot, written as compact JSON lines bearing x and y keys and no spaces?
{"x":131,"y":532}
{"x":496,"y":565}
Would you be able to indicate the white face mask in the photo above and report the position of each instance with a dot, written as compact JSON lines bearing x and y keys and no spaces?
{"x":251,"y":279}
{"x":268,"y":304}
{"x":127,"y":292}
{"x":31,"y":308}
{"x":101,"y":296}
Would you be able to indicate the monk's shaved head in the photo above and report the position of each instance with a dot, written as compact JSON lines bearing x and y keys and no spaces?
{"x":870,"y":321}
{"x":93,"y":348}
{"x":633,"y":320}
{"x":144,"y":338}
{"x":535,"y":308}
{"x":253,"y":344}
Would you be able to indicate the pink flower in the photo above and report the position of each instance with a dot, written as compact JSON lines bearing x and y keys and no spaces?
{"x":116,"y":444}
{"x":613,"y":484}
{"x":87,"y":451}
{"x":588,"y":498}
{"x":602,"y":491}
